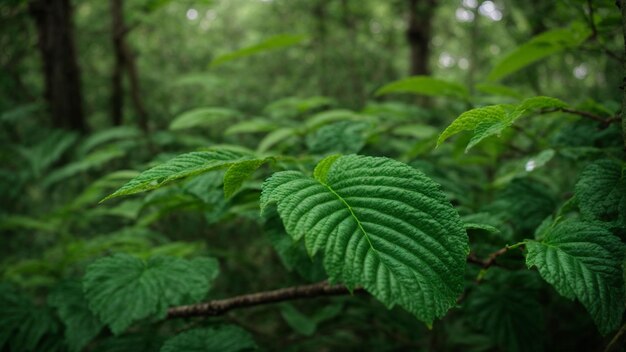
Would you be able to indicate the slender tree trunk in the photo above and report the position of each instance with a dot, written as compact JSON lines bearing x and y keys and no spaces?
{"x":319,"y":12}
{"x":418,"y":34}
{"x":124,"y":61}
{"x":117,"y":89}
{"x":53,"y":19}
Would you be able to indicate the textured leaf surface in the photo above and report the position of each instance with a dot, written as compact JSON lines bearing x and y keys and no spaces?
{"x":601,"y":191}
{"x":339,"y":137}
{"x":425,"y":85}
{"x":182,"y":166}
{"x":81,"y":325}
{"x":492,"y":120}
{"x":380,"y":224}
{"x":271,"y":43}
{"x":508,"y":312}
{"x":23,"y":324}
{"x":202,"y":117}
{"x":583,"y":261}
{"x":122,"y":289}
{"x":539,"y":47}
{"x":226,"y":338}
{"x":238,"y":173}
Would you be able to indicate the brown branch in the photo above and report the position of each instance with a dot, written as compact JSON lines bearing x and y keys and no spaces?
{"x":489,"y":261}
{"x":221,"y":306}
{"x":618,"y":341}
{"x":605,"y":121}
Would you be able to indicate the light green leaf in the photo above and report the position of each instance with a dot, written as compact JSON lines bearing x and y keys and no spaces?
{"x":122,"y":289}
{"x":493,"y":119}
{"x":272,"y":43}
{"x":275,"y":137}
{"x":202,"y":117}
{"x":539,"y":47}
{"x":379,"y":223}
{"x":226,"y":338}
{"x":238,"y":173}
{"x":251,"y":126}
{"x":81,"y":325}
{"x":601,"y":191}
{"x":583,"y":261}
{"x":182,"y":166}
{"x":425,"y":85}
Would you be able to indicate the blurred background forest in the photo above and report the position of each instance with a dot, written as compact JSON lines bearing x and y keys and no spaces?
{"x":94,"y":91}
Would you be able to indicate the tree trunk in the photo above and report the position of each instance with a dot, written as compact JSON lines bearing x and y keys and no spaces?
{"x":117,"y":89}
{"x":418,"y":34}
{"x":53,"y":19}
{"x":124,"y":60}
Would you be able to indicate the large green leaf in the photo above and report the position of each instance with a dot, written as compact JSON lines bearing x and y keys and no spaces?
{"x":23,"y":325}
{"x":202,"y":117}
{"x":425,"y":85}
{"x":583,"y":261}
{"x":271,"y":43}
{"x":539,"y":47}
{"x":601,"y":191}
{"x":122,"y":289}
{"x":380,"y":224}
{"x":225,"y":338}
{"x":507,"y":310}
{"x":182,"y":166}
{"x":81,"y":325}
{"x":493,"y":119}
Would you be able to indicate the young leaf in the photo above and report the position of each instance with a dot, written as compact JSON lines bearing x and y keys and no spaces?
{"x":539,"y":47}
{"x":271,"y":43}
{"x":601,"y":191}
{"x":182,"y":166}
{"x":202,"y":117}
{"x":492,"y":120}
{"x":380,"y":224}
{"x":583,"y":261}
{"x":122,"y":289}
{"x":81,"y":325}
{"x":227,"y":338}
{"x":238,"y":173}
{"x":425,"y":85}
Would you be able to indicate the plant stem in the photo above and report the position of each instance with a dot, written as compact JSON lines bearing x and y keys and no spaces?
{"x":623,"y":114}
{"x":221,"y":306}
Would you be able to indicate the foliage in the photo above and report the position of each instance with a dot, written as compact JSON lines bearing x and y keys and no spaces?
{"x":291,"y":189}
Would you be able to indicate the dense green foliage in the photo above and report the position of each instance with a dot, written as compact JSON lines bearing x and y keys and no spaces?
{"x":480,"y":206}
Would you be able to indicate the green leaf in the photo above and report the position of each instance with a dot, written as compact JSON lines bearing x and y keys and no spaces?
{"x":298,"y":321}
{"x":483,"y":227}
{"x":23,"y":325}
{"x":122,"y":289}
{"x":238,"y":173}
{"x":275,"y":137}
{"x":508,"y":312}
{"x":226,"y":338}
{"x":498,"y":90}
{"x":251,"y":126}
{"x":583,"y":261}
{"x":380,"y":224}
{"x":272,"y":43}
{"x":493,"y":119}
{"x":202,"y":117}
{"x":330,"y":116}
{"x":339,"y":137}
{"x":425,"y":85}
{"x":539,"y":47}
{"x":81,"y":325}
{"x":601,"y":191}
{"x":182,"y":166}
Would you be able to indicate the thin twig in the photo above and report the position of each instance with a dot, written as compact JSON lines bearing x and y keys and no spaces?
{"x":605,"y":121}
{"x":221,"y":306}
{"x":618,"y":341}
